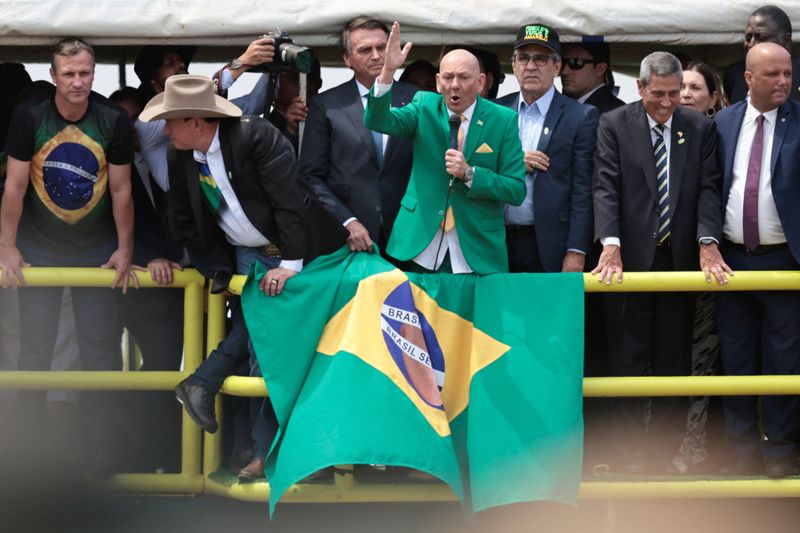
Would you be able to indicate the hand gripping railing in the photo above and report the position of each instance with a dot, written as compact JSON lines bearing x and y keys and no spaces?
{"x":346,"y":490}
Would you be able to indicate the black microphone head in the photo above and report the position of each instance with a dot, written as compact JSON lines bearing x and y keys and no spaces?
{"x":455,"y":123}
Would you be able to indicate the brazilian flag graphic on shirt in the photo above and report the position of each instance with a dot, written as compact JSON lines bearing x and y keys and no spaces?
{"x":476,"y":380}
{"x":69,"y":174}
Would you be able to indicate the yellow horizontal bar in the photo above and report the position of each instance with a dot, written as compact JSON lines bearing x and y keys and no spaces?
{"x":620,"y":386}
{"x":330,"y":493}
{"x":71,"y":380}
{"x":157,"y":483}
{"x":695,"y":281}
{"x":756,"y":487}
{"x":668,"y":282}
{"x":99,"y":277}
{"x":244,"y":386}
{"x":690,"y":386}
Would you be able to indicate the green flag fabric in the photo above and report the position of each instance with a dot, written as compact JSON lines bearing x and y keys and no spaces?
{"x":476,"y":380}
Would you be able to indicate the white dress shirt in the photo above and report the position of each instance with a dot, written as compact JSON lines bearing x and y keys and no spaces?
{"x":770,"y":229}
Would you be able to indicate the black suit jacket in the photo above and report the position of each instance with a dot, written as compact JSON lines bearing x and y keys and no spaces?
{"x":562,"y":195}
{"x":736,"y":88}
{"x":151,"y":235}
{"x":625,"y":202}
{"x":604,"y":99}
{"x":263,"y":173}
{"x":339,"y":160}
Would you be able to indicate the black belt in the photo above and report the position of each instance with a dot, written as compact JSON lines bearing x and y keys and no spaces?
{"x":513,"y":230}
{"x":761,"y":249}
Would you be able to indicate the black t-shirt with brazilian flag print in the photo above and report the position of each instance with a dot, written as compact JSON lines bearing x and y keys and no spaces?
{"x":67,"y":218}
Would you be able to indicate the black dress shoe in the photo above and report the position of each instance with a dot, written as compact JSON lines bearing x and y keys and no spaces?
{"x":219,"y":281}
{"x":743,"y":466}
{"x":199,"y":403}
{"x":783,"y":467}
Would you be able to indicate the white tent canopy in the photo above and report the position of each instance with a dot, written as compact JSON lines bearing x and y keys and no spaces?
{"x":425,"y":22}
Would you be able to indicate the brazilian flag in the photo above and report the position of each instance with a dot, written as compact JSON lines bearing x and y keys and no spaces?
{"x":475,"y":380}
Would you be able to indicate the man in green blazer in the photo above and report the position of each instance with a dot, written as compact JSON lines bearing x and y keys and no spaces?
{"x":468,"y":162}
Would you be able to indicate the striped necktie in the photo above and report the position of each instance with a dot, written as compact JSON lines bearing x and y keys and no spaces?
{"x":662,"y":185}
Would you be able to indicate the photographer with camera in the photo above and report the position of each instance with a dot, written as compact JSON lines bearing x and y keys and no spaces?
{"x":155,"y":64}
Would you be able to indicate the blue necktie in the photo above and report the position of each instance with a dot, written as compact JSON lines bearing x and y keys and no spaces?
{"x":377,"y":140}
{"x":662,"y":183}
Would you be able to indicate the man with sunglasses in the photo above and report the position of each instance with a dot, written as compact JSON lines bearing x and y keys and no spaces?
{"x":552,"y":230}
{"x":586,"y":75}
{"x":767,"y":24}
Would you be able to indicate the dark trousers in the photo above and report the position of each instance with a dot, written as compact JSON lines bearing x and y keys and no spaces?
{"x":154,"y":318}
{"x":650,"y":334}
{"x":98,"y":336}
{"x":759,"y":333}
{"x":236,"y":349}
{"x":523,"y":249}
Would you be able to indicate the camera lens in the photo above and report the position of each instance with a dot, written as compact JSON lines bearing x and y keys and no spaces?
{"x":296,"y":56}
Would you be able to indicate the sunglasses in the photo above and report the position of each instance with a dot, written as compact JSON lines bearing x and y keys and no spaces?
{"x":577,"y":63}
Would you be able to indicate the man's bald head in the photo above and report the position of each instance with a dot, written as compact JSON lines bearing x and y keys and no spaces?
{"x":459,"y":79}
{"x":768,"y":72}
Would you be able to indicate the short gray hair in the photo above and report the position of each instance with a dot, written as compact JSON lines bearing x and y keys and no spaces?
{"x":661,"y":64}
{"x":69,"y":47}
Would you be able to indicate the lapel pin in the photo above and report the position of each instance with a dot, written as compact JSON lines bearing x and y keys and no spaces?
{"x":783,"y":119}
{"x":480,"y":122}
{"x":681,"y":140}
{"x":680,"y":134}
{"x":546,"y":130}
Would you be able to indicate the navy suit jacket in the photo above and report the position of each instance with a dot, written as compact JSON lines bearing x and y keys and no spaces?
{"x":562,"y":195}
{"x":339,"y":161}
{"x":784,"y":162}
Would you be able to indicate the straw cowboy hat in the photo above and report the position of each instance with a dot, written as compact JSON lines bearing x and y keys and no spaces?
{"x":187,"y":96}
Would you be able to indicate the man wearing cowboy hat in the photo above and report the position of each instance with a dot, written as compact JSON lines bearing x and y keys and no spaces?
{"x":235,"y":196}
{"x":155,"y":64}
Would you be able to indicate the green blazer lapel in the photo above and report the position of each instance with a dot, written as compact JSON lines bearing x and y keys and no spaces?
{"x":444,"y":117}
{"x":476,"y":126}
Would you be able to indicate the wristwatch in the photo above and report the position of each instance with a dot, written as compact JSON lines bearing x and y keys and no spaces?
{"x":469,"y":174}
{"x":235,"y":64}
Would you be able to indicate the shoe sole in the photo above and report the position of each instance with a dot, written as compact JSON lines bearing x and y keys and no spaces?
{"x":187,"y":405}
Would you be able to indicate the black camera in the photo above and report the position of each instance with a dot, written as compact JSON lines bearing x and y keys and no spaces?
{"x":288,"y":56}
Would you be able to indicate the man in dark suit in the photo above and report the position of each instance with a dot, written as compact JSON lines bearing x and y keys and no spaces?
{"x":236,"y":200}
{"x":359,"y":175}
{"x":656,"y":192}
{"x":759,"y":149}
{"x":767,"y":24}
{"x":586,"y":75}
{"x":552,"y":230}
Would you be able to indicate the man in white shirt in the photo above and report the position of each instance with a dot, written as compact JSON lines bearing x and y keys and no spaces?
{"x":759,"y":144}
{"x":236,"y":200}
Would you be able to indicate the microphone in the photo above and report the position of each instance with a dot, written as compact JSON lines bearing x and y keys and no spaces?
{"x":455,"y":124}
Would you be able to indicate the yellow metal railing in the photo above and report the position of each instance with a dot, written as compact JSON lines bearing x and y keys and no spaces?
{"x":190,"y":479}
{"x":197,"y":464}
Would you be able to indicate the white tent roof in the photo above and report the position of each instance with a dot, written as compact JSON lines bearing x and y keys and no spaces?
{"x":425,"y":22}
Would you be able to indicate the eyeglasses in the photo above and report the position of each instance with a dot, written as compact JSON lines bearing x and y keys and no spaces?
{"x":577,"y":63}
{"x":539,"y":60}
